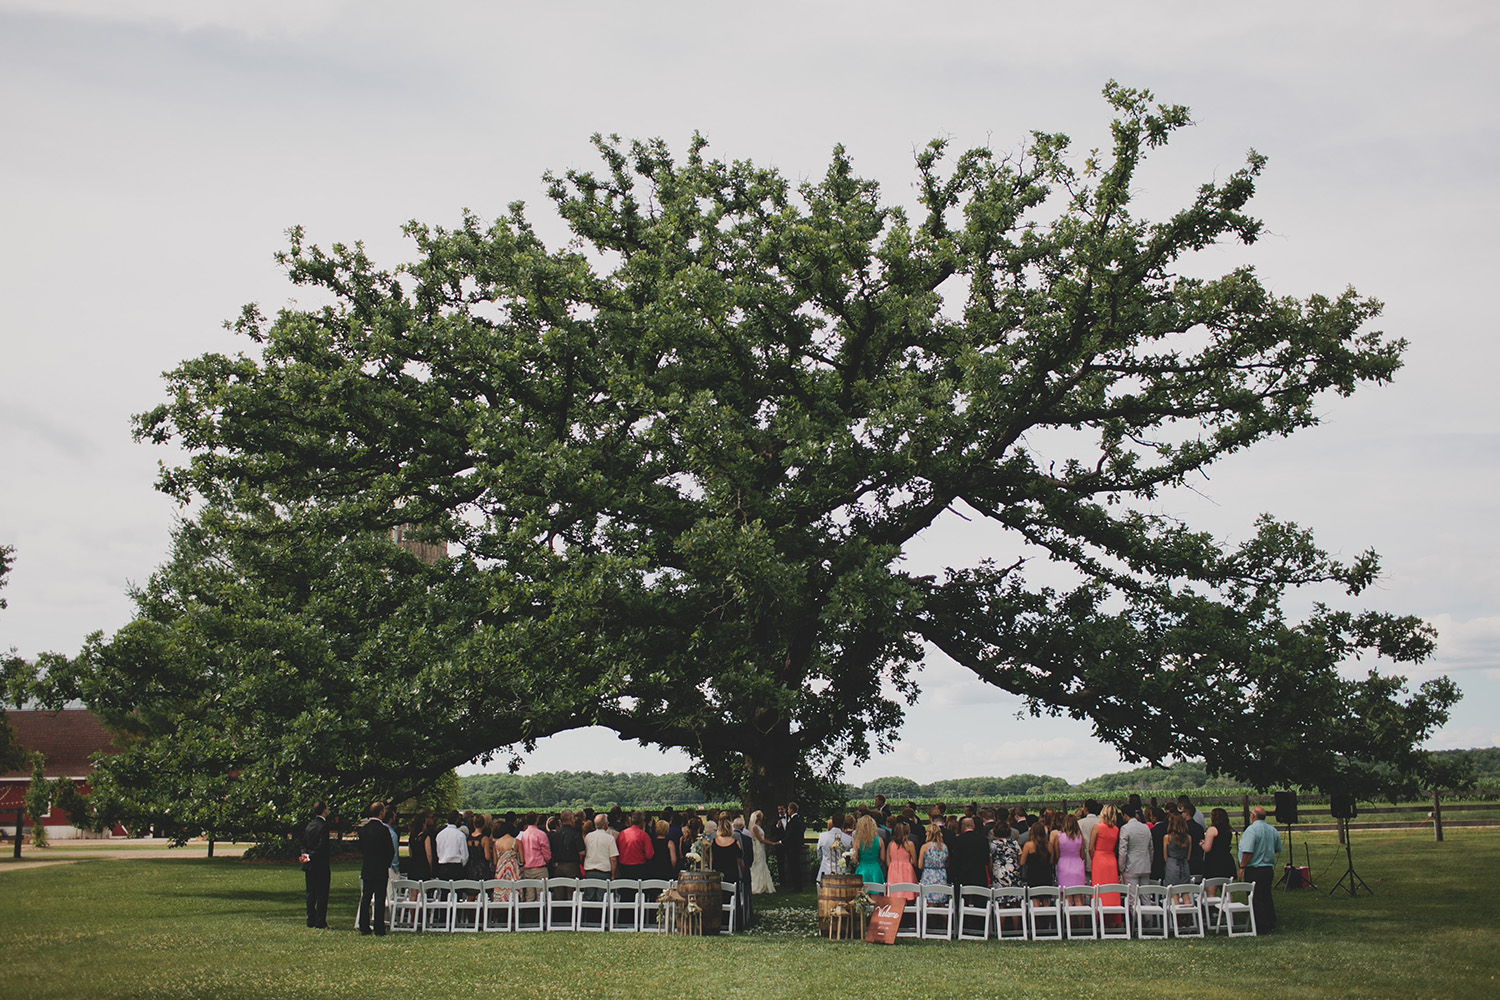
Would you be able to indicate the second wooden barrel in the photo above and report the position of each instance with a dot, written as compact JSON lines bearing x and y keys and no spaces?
{"x":835,"y":891}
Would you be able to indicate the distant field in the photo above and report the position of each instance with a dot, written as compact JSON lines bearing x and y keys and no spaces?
{"x":191,"y":927}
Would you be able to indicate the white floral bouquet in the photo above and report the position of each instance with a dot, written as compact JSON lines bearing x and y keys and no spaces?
{"x":699,"y":854}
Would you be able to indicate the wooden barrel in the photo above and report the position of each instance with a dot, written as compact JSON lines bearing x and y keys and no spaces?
{"x":705,"y":889}
{"x":835,"y":891}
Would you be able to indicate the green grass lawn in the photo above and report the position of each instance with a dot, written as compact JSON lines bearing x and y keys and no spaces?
{"x":221,"y":928}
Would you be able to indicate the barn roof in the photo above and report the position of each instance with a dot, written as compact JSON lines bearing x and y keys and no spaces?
{"x":65,"y":738}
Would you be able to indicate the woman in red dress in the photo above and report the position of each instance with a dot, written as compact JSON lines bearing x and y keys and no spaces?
{"x":1102,"y":841}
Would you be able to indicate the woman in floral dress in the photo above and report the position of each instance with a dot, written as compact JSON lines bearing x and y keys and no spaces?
{"x":934,"y":862}
{"x":507,"y":857}
{"x":1005,"y":855}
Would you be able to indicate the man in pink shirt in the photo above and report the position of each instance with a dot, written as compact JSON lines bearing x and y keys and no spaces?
{"x":536,"y":851}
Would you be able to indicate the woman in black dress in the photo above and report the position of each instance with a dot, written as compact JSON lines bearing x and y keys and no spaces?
{"x":417,"y":865}
{"x":1218,"y":856}
{"x":663,"y":863}
{"x":1037,"y":863}
{"x":724,"y":853}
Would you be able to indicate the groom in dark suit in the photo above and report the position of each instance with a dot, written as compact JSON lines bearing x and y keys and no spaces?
{"x":794,"y":850}
{"x":378,"y":850}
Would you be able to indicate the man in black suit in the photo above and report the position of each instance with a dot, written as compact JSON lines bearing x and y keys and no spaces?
{"x":794,"y":850}
{"x":375,"y":844}
{"x":1158,"y":837}
{"x":1195,"y":835}
{"x":969,"y":856}
{"x":315,"y":871}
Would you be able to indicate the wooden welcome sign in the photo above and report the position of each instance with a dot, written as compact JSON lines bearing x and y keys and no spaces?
{"x":886,"y":920}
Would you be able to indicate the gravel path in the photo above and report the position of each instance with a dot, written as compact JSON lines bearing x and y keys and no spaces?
{"x":61,"y":852}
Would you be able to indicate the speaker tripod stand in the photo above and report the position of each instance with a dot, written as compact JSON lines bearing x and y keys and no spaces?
{"x":1355,"y":882}
{"x":1291,"y":876}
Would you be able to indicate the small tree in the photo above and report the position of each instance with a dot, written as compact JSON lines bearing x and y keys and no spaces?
{"x":77,"y":805}
{"x":39,"y":796}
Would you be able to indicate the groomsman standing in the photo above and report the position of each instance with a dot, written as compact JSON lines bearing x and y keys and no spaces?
{"x":316,"y":872}
{"x":374,"y":871}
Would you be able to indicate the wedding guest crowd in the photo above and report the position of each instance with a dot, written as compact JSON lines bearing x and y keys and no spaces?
{"x":1133,"y":844}
{"x":1130,"y":844}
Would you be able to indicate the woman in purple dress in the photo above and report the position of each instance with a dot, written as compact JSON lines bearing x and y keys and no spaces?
{"x":1067,"y":846}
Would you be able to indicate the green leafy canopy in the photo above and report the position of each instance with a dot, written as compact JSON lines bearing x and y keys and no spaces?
{"x":678,"y":462}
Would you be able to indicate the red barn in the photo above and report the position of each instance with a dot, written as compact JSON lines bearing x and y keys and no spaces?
{"x":66,"y":739}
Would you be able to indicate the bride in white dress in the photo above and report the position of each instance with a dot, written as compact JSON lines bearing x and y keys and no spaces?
{"x":760,"y":872}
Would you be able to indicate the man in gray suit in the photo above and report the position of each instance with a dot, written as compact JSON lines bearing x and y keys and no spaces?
{"x":1135,"y":850}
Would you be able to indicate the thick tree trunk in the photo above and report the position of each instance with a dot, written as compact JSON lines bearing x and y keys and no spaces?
{"x":770,"y":784}
{"x":770,"y":773}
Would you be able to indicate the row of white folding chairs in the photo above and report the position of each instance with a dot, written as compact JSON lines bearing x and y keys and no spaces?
{"x":1048,"y":913}
{"x":528,"y":904}
{"x":553,"y":904}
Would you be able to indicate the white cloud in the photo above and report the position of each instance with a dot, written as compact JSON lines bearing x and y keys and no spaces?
{"x":1472,"y":645}
{"x":259,"y":18}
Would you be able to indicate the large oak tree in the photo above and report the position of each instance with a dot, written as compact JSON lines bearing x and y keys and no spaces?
{"x":679,"y":460}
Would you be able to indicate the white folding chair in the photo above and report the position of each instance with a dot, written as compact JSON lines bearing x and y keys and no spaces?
{"x":468,"y":905}
{"x":499,"y":912}
{"x":1044,"y":913}
{"x":437,"y":905}
{"x":651,"y":918}
{"x":911,"y":921}
{"x":875,"y":888}
{"x":936,"y":908}
{"x":1151,"y":905}
{"x":975,"y":906}
{"x":1080,"y":919}
{"x":1213,"y":890}
{"x":1231,"y":906}
{"x":732,"y":907}
{"x":1187,"y":916}
{"x":562,"y":904}
{"x":1010,"y":912}
{"x":531,"y":904}
{"x":405,"y":897}
{"x":624,"y":904}
{"x":1112,"y":920}
{"x":593,"y":904}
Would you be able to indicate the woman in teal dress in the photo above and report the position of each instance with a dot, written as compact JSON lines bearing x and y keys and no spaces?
{"x":867,"y":851}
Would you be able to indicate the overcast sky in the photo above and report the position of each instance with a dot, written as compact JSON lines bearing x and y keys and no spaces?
{"x":153,"y":152}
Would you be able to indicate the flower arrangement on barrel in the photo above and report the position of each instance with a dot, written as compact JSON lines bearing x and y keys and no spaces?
{"x":694,"y":905}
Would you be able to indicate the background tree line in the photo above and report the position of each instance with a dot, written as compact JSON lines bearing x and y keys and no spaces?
{"x":565,"y":789}
{"x":560,"y":789}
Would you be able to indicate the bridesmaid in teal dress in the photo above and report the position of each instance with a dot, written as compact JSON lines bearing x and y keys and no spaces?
{"x":867,"y":851}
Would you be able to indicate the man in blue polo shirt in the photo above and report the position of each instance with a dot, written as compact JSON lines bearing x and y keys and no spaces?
{"x":1259,"y":845}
